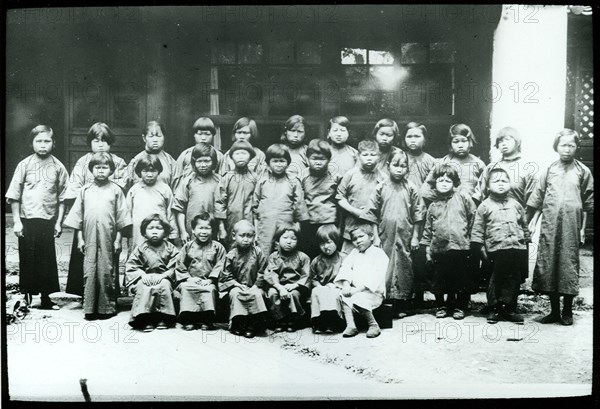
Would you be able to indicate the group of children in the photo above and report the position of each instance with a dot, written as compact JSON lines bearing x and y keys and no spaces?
{"x":380,"y":222}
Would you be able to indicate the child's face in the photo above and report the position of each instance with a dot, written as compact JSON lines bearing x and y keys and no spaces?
{"x":155,"y":232}
{"x":361,"y":240}
{"x":202,"y":231}
{"x":460,"y":145}
{"x":385,"y":137}
{"x":507,"y":145}
{"x":203,"y":136}
{"x":398,"y":169}
{"x":566,"y":148}
{"x":499,"y":184}
{"x":149,"y":176}
{"x":154,"y":139}
{"x":203,"y":165}
{"x":278,"y":165}
{"x":99,"y":145}
{"x":241,"y":157}
{"x":101,"y":172}
{"x":288,"y":241}
{"x":244,"y":237}
{"x":368,"y":159}
{"x":338,"y":134}
{"x":414,"y":140}
{"x":242,"y":134}
{"x":318,"y":162}
{"x":328,"y":247}
{"x":295,"y":136}
{"x":42,"y":144}
{"x":444,"y":184}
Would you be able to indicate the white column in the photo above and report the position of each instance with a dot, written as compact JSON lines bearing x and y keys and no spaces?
{"x":529,"y":77}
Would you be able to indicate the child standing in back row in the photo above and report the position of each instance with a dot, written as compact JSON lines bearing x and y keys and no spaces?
{"x":386,"y":133}
{"x":563,"y":196}
{"x":294,"y":132}
{"x":356,"y":187}
{"x":244,"y":130}
{"x":343,"y":156}
{"x":36,"y":195}
{"x":398,"y":214}
{"x":501,"y":235}
{"x":447,"y":240}
{"x":98,"y":217}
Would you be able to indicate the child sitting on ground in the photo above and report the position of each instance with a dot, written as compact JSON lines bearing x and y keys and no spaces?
{"x":362,"y":277}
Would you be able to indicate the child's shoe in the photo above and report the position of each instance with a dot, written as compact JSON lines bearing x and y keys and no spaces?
{"x":550,"y":318}
{"x":566,"y":319}
{"x":161,"y":325}
{"x":512,"y":317}
{"x":350,"y":332}
{"x":189,"y":327}
{"x":148,"y":328}
{"x":441,"y":312}
{"x":458,"y":314}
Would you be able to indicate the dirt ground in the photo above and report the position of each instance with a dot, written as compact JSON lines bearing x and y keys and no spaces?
{"x":420,"y":357}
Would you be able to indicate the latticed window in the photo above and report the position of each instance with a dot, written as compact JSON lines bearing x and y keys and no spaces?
{"x":584,"y":109}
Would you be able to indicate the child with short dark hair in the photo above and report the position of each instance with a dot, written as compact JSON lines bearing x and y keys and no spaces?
{"x":236,"y":190}
{"x":153,"y":135}
{"x":563,"y":196}
{"x":398,"y":214}
{"x":148,"y":196}
{"x":320,"y":187}
{"x":36,"y":195}
{"x":356,"y":187}
{"x":386,"y":133}
{"x":500,"y":233}
{"x":420,"y":162}
{"x":446,"y":237}
{"x":150,"y":274}
{"x":293,"y":136}
{"x":198,"y":192}
{"x":244,"y":130}
{"x":243,"y":279}
{"x":325,"y":306}
{"x":343,"y":156}
{"x":100,"y":138}
{"x":278,"y":197}
{"x":199,"y":265}
{"x":287,"y":275}
{"x":362,"y":278}
{"x":98,"y":217}
{"x":204,"y":132}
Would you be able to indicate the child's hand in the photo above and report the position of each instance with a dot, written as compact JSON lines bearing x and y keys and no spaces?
{"x":531,"y":227}
{"x":428,"y":258}
{"x":283,"y":293}
{"x":117,"y":248}
{"x":242,"y":287}
{"x":203,"y":283}
{"x":290,"y":287}
{"x":346,"y":290}
{"x":147,"y":279}
{"x":18,"y":229}
{"x":81,"y":246}
{"x":184,"y":237}
{"x":582,"y":236}
{"x":414,"y":244}
{"x":57,"y":230}
{"x":376,"y":241}
{"x":222,"y":232}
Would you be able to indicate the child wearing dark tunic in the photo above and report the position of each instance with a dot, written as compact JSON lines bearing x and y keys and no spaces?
{"x":98,"y":217}
{"x":325,"y":305}
{"x":386,"y":133}
{"x":242,"y":280}
{"x":563,"y":196}
{"x":293,"y":136}
{"x":197,"y":192}
{"x":278,"y":198}
{"x":199,"y":265}
{"x":500,"y":233}
{"x":287,"y":275}
{"x":362,"y":278}
{"x":150,"y":275}
{"x":343,"y":156}
{"x":236,"y":190}
{"x":356,"y":187}
{"x":446,"y":237}
{"x":36,"y":195}
{"x":320,"y":187}
{"x":398,"y":214}
{"x":420,"y":164}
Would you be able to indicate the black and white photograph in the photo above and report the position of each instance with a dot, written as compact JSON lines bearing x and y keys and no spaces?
{"x":298,"y":202}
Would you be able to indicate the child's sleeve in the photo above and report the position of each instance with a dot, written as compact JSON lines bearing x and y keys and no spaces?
{"x":372,"y":212}
{"x":346,"y":269}
{"x":272,"y":270}
{"x":256,"y":198}
{"x":74,"y":219}
{"x":342,"y":189}
{"x":523,"y":222}
{"x":15,"y":189}
{"x":221,"y":197}
{"x":481,"y":192}
{"x":170,"y":216}
{"x":470,"y":209}
{"x":227,"y":279}
{"x":478,"y":230}
{"x":538,"y":191}
{"x":427,"y":193}
{"x":173,"y":253}
{"x":219,"y":261}
{"x":134,"y":267}
{"x":304,"y":270}
{"x":123,"y":214}
{"x":300,"y":209}
{"x":314,"y":275}
{"x":587,"y":191}
{"x":417,"y":206}
{"x":262,"y":264}
{"x":182,"y":264}
{"x":129,"y":178}
{"x":428,"y":229}
{"x":62,"y":183}
{"x":181,"y":197}
{"x":120,"y":173}
{"x":76,"y":180}
{"x":129,"y":199}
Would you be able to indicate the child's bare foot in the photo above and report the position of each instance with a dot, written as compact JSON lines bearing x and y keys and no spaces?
{"x":350,"y":332}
